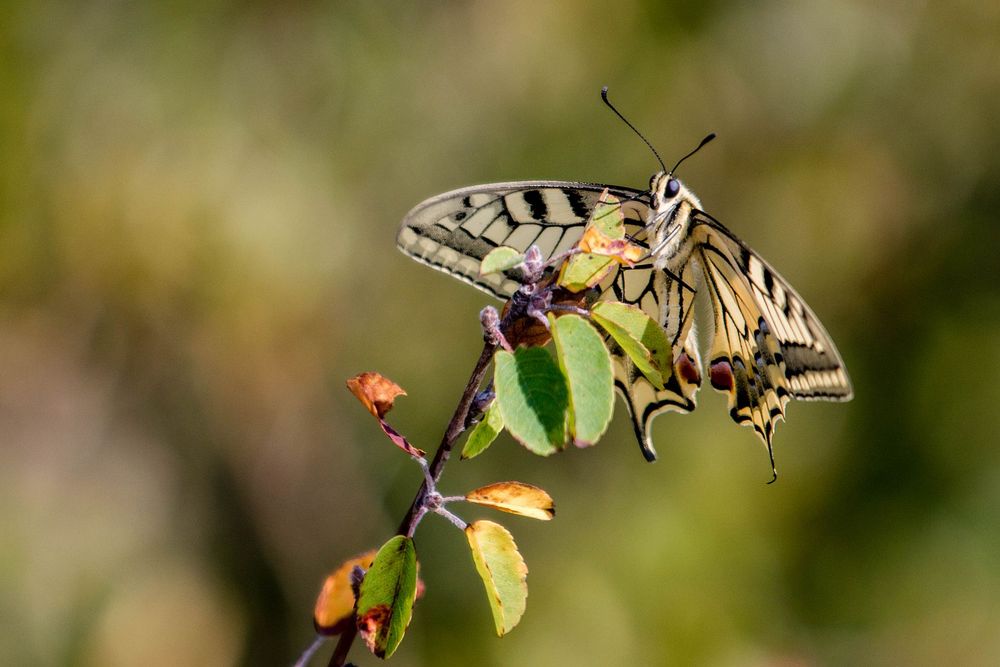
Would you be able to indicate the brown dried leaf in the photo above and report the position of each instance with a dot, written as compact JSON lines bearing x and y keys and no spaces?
{"x":377,"y":393}
{"x":373,"y":627}
{"x":516,"y":498}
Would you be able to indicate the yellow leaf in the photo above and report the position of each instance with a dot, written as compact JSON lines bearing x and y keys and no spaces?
{"x":516,"y":498}
{"x":335,"y":604}
{"x":502,"y":570}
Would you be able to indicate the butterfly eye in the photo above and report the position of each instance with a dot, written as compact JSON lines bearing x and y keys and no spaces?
{"x":673,"y":187}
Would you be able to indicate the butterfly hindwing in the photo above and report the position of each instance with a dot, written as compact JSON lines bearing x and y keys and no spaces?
{"x":668,"y":300}
{"x":767,"y":346}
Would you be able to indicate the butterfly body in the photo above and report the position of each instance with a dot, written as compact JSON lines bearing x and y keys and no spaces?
{"x":766,"y":345}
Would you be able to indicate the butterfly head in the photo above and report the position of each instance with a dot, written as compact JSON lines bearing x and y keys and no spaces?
{"x":665,"y":189}
{"x":671,"y":204}
{"x":666,"y":194}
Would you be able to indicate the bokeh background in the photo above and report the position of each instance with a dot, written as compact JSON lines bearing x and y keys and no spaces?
{"x":198,"y":204}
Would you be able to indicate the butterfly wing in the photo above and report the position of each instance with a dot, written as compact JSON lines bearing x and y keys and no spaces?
{"x":454,"y":231}
{"x":768,"y":346}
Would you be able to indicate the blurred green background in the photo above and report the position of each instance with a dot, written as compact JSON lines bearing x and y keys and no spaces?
{"x":198,"y":204}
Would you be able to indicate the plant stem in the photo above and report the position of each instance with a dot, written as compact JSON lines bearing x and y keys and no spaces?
{"x":455,"y":428}
{"x":339,"y":656}
{"x":461,"y":525}
{"x":451,"y":434}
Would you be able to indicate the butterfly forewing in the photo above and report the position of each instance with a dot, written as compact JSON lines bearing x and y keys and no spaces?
{"x":454,"y":231}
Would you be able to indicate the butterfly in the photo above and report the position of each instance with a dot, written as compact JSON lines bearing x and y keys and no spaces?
{"x":766,"y":347}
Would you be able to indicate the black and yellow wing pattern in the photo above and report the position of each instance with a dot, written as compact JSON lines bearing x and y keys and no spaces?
{"x":766,"y":347}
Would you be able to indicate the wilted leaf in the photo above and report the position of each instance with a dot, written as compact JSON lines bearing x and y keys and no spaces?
{"x":400,"y":440}
{"x":375,"y":392}
{"x":586,"y":363}
{"x":484,"y":433}
{"x":387,"y":593}
{"x":640,"y":336}
{"x":595,"y":242}
{"x":502,"y":570}
{"x":532,"y":397}
{"x":335,"y":605}
{"x":500,"y":259}
{"x":516,"y":498}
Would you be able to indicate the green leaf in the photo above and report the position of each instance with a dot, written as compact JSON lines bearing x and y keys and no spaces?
{"x":585,"y":361}
{"x":640,"y":336}
{"x":609,"y":217}
{"x":385,"y":604}
{"x":532,"y":397}
{"x":500,"y":259}
{"x":484,"y":433}
{"x":584,"y":271}
{"x":502,"y":570}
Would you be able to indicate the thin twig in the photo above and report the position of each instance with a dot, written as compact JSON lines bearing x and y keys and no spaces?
{"x":307,"y":655}
{"x":451,"y":517}
{"x":451,"y":434}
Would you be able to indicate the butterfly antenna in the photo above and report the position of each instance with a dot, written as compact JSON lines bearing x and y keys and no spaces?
{"x":700,"y":146}
{"x":604,"y":96}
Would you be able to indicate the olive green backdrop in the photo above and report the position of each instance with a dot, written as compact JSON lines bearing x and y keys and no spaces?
{"x":198,"y":205}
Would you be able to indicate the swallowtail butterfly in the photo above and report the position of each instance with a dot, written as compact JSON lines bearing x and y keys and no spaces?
{"x":766,"y":347}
